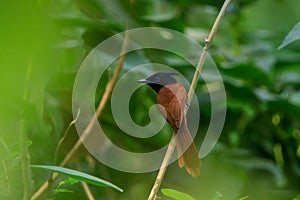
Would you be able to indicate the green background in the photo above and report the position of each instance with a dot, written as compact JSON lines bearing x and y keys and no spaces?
{"x":42,"y":44}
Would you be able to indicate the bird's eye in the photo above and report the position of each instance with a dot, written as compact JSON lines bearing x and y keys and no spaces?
{"x":157,"y":79}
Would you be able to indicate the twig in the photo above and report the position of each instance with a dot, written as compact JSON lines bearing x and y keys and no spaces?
{"x":87,"y":191}
{"x":86,"y":188}
{"x":64,"y":137}
{"x":170,"y":150}
{"x":208,"y":42}
{"x":24,"y":155}
{"x":50,"y":180}
{"x":162,"y":171}
{"x":86,"y":132}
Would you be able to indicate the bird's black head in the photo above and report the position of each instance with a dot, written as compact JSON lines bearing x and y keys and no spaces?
{"x":159,"y":80}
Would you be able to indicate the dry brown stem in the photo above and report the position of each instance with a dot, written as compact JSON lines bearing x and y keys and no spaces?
{"x":170,"y":150}
{"x":86,"y":132}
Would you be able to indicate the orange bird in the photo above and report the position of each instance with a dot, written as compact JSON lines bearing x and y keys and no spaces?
{"x":171,"y":96}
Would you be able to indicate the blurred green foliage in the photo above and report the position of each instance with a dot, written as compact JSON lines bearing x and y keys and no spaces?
{"x":258,"y":154}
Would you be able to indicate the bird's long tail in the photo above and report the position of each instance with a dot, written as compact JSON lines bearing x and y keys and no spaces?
{"x":187,"y":152}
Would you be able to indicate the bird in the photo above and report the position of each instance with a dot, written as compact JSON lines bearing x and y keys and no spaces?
{"x":171,"y":97}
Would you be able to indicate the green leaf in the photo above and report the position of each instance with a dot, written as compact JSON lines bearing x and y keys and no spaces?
{"x":292,"y":36}
{"x":176,"y":194}
{"x":79,"y":176}
{"x":28,"y":143}
{"x":297,"y":197}
{"x":156,"y":11}
{"x":70,"y":181}
{"x":57,"y":191}
{"x":160,"y":17}
{"x":249,"y":74}
{"x":243,"y":198}
{"x":294,"y":98}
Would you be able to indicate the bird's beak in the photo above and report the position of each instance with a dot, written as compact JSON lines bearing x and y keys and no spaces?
{"x":142,"y":81}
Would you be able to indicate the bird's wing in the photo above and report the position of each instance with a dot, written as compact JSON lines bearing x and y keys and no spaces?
{"x":172,"y":98}
{"x":177,"y":103}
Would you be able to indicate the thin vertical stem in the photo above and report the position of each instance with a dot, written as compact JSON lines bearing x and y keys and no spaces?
{"x":171,"y":147}
{"x":162,"y":171}
{"x":208,"y":42}
{"x":24,"y":155}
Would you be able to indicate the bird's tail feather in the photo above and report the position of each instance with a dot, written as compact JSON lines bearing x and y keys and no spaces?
{"x":187,"y":152}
